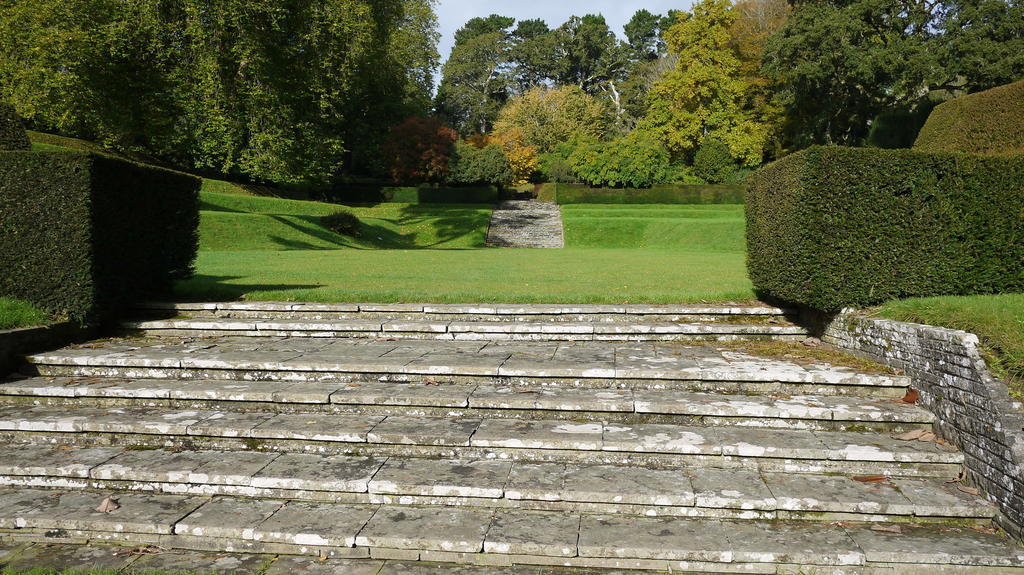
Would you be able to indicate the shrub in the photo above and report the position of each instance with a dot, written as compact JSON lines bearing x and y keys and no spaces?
{"x":555,"y":168}
{"x":344,"y":223}
{"x":713,"y":162}
{"x":487,"y":165}
{"x":12,"y":133}
{"x":898,"y":128}
{"x":419,"y":150}
{"x":637,"y":160}
{"x":831,"y":227}
{"x":989,"y":123}
{"x":84,"y":235}
{"x":685,"y":194}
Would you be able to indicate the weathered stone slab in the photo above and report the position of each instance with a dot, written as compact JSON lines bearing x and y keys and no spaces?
{"x":523,"y":533}
{"x":53,"y":461}
{"x":555,"y":399}
{"x":229,"y":424}
{"x":630,"y":485}
{"x":731,"y":489}
{"x":536,"y":481}
{"x":445,"y":529}
{"x":321,"y":566}
{"x":851,"y":446}
{"x":792,"y":543}
{"x":654,"y":538}
{"x":538,"y":434}
{"x":297,"y":471}
{"x":318,"y":427}
{"x":18,"y":507}
{"x":227,"y":518}
{"x":398,"y":430}
{"x":937,"y":545}
{"x":779,"y":443}
{"x":154,"y":465}
{"x":201,"y":563}
{"x":936,"y":498}
{"x":46,"y":419}
{"x":659,"y":438}
{"x":446,"y":395}
{"x":146,"y":421}
{"x":423,"y":568}
{"x":69,"y":559}
{"x":314,"y":525}
{"x":442,"y":478}
{"x":137,"y":513}
{"x":838,"y":494}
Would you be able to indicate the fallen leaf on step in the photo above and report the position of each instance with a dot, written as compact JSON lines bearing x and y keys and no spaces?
{"x":527,"y":391}
{"x":911,"y":435}
{"x":812,"y":342}
{"x":928,"y":437}
{"x":430,"y":382}
{"x":911,"y":397}
{"x":985,"y":529}
{"x":871,"y":479}
{"x":107,"y":505}
{"x":887,"y":528}
{"x":968,"y":490}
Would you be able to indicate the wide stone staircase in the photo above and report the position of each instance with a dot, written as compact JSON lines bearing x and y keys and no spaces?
{"x":556,"y":448}
{"x":526,"y":224}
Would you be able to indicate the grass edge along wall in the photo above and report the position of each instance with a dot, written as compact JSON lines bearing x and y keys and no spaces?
{"x":831,"y":227}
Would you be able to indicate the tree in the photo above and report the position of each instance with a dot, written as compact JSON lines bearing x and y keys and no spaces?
{"x":592,"y":58}
{"x":637,"y":160}
{"x":419,"y":150}
{"x":534,"y":55}
{"x":984,"y":42}
{"x":475,"y":84}
{"x":473,"y":165}
{"x":706,"y":96}
{"x":545,"y":117}
{"x":522,"y":157}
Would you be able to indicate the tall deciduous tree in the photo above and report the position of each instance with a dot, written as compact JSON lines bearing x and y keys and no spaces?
{"x":707,"y":94}
{"x":546,"y":117}
{"x":475,"y":82}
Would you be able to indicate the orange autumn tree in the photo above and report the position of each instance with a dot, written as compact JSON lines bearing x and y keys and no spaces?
{"x":522,"y":158}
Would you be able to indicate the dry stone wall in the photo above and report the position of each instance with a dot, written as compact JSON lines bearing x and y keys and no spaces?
{"x":975,"y":410}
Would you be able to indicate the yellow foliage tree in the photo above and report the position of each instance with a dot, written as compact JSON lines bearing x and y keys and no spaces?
{"x":522,"y":158}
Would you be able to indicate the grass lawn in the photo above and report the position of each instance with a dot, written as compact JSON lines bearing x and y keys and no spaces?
{"x":998,"y":320}
{"x":15,"y":314}
{"x":269,"y":248}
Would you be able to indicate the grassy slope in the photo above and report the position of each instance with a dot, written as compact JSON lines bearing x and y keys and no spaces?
{"x":998,"y":320}
{"x":267,"y":248}
{"x":14,"y":314}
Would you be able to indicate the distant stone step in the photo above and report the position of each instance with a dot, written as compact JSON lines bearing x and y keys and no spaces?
{"x":470,"y":331}
{"x":589,"y":364}
{"x":502,"y":537}
{"x":690,"y":492}
{"x":423,"y":312}
{"x":526,"y":224}
{"x":626,"y":405}
{"x":655,"y":445}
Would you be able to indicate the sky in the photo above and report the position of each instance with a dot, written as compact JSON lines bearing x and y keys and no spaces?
{"x":452,"y":14}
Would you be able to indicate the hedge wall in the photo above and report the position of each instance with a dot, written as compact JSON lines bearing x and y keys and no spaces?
{"x":12,"y":133}
{"x":706,"y":194}
{"x":989,"y":123}
{"x":413,"y":195}
{"x":82,"y":235}
{"x":831,"y":227}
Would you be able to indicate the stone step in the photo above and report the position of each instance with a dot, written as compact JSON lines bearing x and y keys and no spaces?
{"x":474,"y":313}
{"x":498,"y":537}
{"x":526,"y":224}
{"x":585,"y":364}
{"x":470,"y":331}
{"x":687,"y":492}
{"x":624,"y":405}
{"x":654,"y":445}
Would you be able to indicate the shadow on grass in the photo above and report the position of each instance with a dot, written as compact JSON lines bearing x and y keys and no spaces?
{"x":458,"y":223}
{"x":217,"y":288}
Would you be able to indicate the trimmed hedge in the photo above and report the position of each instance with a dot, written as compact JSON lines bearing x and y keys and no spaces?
{"x":990,"y":123}
{"x":12,"y":133}
{"x":832,"y":227}
{"x":705,"y":194}
{"x":84,"y":235}
{"x":363,"y":194}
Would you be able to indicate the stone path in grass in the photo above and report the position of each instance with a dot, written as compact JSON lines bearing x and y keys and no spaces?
{"x":526,"y":224}
{"x":349,"y":454}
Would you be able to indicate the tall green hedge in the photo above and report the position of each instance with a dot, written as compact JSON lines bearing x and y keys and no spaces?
{"x":687,"y":194}
{"x":989,"y":123}
{"x":12,"y":133}
{"x":83,"y":235}
{"x":831,"y":227}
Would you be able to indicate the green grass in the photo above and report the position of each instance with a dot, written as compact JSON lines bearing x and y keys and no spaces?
{"x":997,"y":319}
{"x":710,"y":228}
{"x":267,"y":248}
{"x":15,"y":314}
